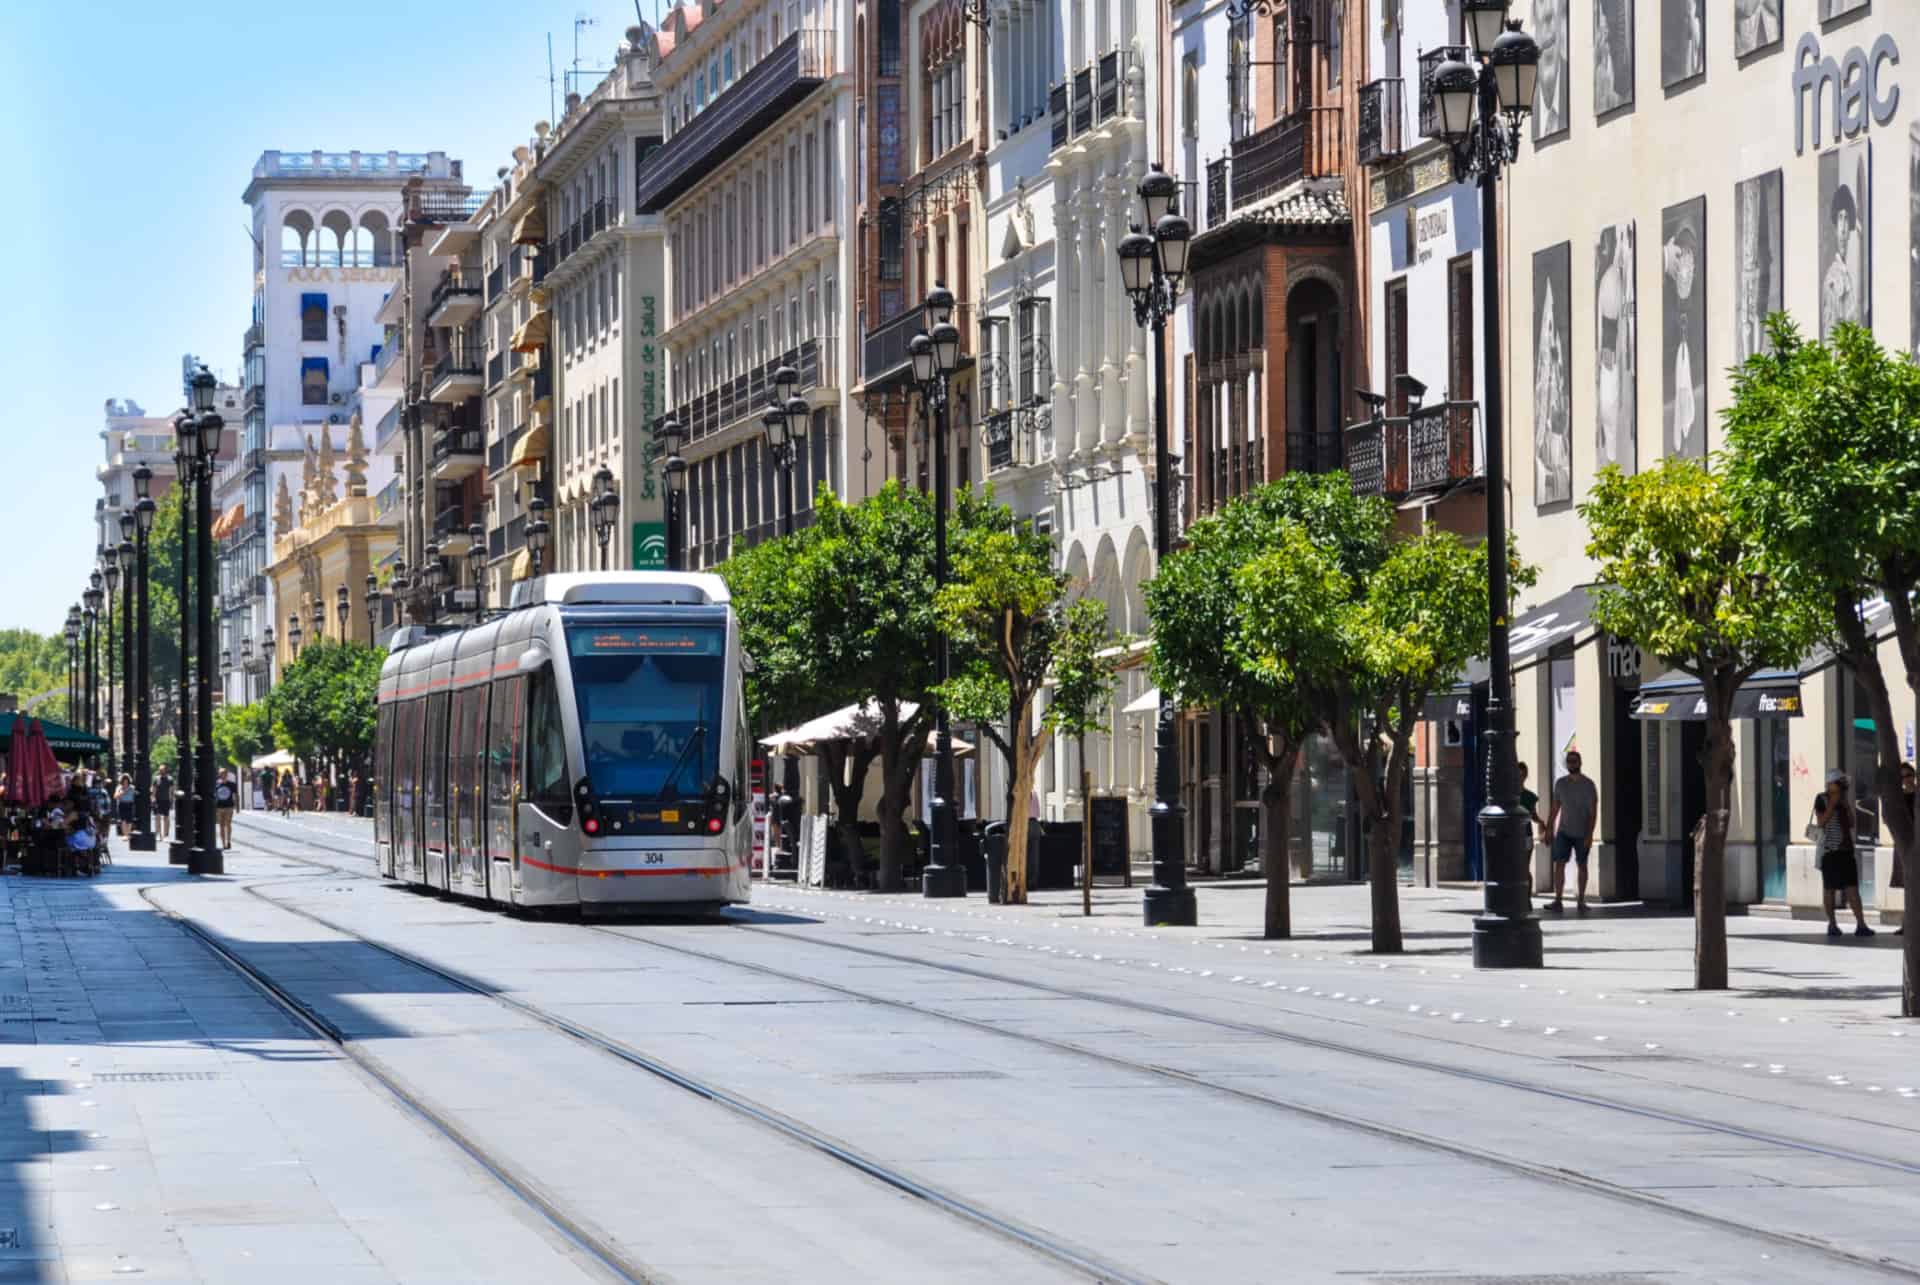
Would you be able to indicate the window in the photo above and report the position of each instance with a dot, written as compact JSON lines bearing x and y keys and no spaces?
{"x":893,"y":247}
{"x":779,"y":240}
{"x":650,"y":708}
{"x":813,"y":209}
{"x":1336,"y":34}
{"x":1190,"y":95}
{"x":760,"y":223}
{"x":1282,"y":81}
{"x":313,"y":381}
{"x":1396,"y":389}
{"x":313,"y":318}
{"x":547,"y":785}
{"x":723,"y":493}
{"x":826,"y":151}
{"x":1460,"y":329}
{"x":793,"y":194}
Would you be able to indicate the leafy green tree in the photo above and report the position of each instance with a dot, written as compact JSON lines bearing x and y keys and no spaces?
{"x":1824,"y":457}
{"x":1687,"y":581}
{"x":1004,"y":604}
{"x":1082,"y":672}
{"x":242,"y":732}
{"x":324,"y":704}
{"x":34,"y":667}
{"x":165,"y":752}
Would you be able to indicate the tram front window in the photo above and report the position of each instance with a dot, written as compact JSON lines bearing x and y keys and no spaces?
{"x":650,"y":701}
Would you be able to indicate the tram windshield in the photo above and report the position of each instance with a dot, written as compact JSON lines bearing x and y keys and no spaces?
{"x":650,"y":701}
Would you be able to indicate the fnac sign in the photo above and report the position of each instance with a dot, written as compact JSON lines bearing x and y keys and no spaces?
{"x":1857,"y":88}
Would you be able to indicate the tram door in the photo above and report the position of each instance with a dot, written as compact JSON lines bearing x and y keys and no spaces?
{"x":503,"y":788}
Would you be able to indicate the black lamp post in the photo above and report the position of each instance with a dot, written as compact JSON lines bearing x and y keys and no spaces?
{"x":91,"y":596}
{"x":1152,"y":268}
{"x":124,"y":553}
{"x":72,"y":631}
{"x":373,"y":608}
{"x":936,"y":355}
{"x":144,"y":510}
{"x":785,"y":422}
{"x":186,"y":448}
{"x":319,"y":610}
{"x":671,"y":436}
{"x":537,"y":533}
{"x":343,"y":608}
{"x":110,"y":571}
{"x":1481,"y":105}
{"x":605,"y":509}
{"x":266,"y":654}
{"x":204,"y":858}
{"x":476,"y":569}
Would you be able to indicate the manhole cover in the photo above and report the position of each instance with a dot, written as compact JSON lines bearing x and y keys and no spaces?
{"x":154,"y":1077}
{"x":916,"y":1077}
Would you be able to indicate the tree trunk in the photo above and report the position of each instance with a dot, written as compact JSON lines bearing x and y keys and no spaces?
{"x":847,"y":797}
{"x":1710,"y":866}
{"x":1278,"y":798}
{"x":1086,"y":830}
{"x":1383,"y":870}
{"x":1027,"y":748}
{"x":892,"y":813}
{"x":1910,"y":930}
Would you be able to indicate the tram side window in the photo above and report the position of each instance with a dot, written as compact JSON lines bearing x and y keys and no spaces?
{"x":503,"y":741}
{"x":436,"y":763}
{"x":461,"y":793}
{"x":382,"y":777}
{"x":474,"y":750}
{"x":547,"y":784}
{"x":406,"y":755}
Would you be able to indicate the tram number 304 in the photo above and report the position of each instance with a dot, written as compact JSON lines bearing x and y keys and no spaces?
{"x":653,"y":858}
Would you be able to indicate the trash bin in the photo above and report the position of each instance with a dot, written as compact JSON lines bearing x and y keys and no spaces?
{"x":993,"y":845}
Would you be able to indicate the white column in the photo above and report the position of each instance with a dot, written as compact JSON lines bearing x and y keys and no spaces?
{"x":1065,"y":318}
{"x":1086,"y":363}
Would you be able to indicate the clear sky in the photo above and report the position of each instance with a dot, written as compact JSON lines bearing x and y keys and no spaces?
{"x":130,"y":130}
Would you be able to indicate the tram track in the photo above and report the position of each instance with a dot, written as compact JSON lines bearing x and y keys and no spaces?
{"x":1394,"y":1133}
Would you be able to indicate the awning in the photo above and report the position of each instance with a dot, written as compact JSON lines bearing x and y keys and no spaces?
{"x":1147,"y":702}
{"x":531,"y":450}
{"x":531,"y":229}
{"x":229,"y":522}
{"x":279,"y":758}
{"x":1678,"y":697}
{"x":59,"y":736}
{"x":1536,"y":629}
{"x":522,"y":565}
{"x":533,"y":332}
{"x":852,"y":722}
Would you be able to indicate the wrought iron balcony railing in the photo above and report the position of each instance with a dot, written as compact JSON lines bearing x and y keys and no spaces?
{"x":748,"y":394}
{"x":1382,"y":121}
{"x":1092,"y":95}
{"x":453,"y":282}
{"x":1301,"y":146}
{"x":1427,"y":450}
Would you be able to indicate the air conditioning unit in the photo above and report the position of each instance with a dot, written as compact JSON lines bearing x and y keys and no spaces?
{"x":336,"y":418}
{"x":337,"y":398}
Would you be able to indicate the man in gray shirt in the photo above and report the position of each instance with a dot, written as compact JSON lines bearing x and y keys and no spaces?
{"x":1576,"y":806}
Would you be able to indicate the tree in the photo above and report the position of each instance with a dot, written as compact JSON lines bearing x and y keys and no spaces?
{"x":1082,"y":672}
{"x":324,"y":705}
{"x":1260,"y":649}
{"x":35,"y":665}
{"x":1686,"y":580}
{"x":1005,"y":604}
{"x":1824,"y":456}
{"x":163,"y":611}
{"x":242,"y":732}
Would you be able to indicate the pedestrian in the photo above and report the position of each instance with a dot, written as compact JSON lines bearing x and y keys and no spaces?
{"x":1899,"y":879}
{"x":224,"y":796}
{"x":1576,"y":807}
{"x":162,"y":803}
{"x":1530,"y":804}
{"x":123,"y":806}
{"x":1833,"y":822}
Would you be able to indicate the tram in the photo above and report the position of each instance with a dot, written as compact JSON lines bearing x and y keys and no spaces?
{"x":587,"y":750}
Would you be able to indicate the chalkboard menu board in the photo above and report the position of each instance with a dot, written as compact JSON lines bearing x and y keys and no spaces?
{"x":1110,"y":855}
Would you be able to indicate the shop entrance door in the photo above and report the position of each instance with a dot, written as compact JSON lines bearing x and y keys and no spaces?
{"x":1773,"y":790}
{"x":1627,"y":806}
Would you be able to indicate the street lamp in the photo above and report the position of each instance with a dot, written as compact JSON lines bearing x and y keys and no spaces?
{"x":318,"y":609}
{"x":343,"y":608}
{"x":72,"y":631}
{"x":476,"y":568}
{"x":93,"y":598}
{"x":373,"y":608}
{"x":1482,"y":104}
{"x":204,"y":858}
{"x":293,"y":633}
{"x":266,"y":654}
{"x":936,"y":355}
{"x":144,"y":511}
{"x":186,"y":440}
{"x":124,"y":553}
{"x":1152,"y":268}
{"x":672,"y":436}
{"x":110,"y":568}
{"x":537,"y":533}
{"x":785,"y":425}
{"x":605,"y":509}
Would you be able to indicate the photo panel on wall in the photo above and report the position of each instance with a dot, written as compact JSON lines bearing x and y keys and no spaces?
{"x":1757,"y":256}
{"x":1551,"y":98}
{"x":1846,"y":236}
{"x":1683,"y":326}
{"x":1756,"y":25}
{"x":1553,"y":374}
{"x":1612,"y":55}
{"x":1683,"y":40}
{"x":1616,"y":322}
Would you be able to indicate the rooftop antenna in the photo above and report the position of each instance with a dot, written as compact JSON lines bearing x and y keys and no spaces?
{"x":551,"y":114}
{"x":579,"y":20}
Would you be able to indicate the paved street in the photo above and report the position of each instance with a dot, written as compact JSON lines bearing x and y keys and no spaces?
{"x":909,"y":1091}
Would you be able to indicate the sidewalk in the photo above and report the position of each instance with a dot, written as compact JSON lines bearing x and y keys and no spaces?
{"x":160,"y":1120}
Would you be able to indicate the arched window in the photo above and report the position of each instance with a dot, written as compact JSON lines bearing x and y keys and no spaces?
{"x":296,"y":239}
{"x":335,"y":230}
{"x":378,"y":235}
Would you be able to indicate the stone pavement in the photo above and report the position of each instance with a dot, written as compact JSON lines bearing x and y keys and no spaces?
{"x":160,"y":1120}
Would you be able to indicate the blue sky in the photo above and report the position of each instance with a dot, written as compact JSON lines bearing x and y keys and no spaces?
{"x":131,"y":130}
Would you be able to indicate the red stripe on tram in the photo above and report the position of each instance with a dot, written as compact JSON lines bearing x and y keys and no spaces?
{"x":625,"y":874}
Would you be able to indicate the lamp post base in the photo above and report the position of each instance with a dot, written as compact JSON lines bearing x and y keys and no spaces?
{"x":1507,"y":941}
{"x":206,"y":861}
{"x":1171,"y":908}
{"x":177,"y":853}
{"x":944,"y":881}
{"x":140,"y":841}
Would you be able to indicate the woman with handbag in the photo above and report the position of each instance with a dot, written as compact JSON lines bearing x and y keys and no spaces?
{"x":1839,"y":864}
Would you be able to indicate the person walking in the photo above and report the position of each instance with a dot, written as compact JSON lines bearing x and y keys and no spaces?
{"x":224,"y":797}
{"x":162,"y":804}
{"x":123,"y":805}
{"x":1899,"y":879}
{"x":1576,"y":807}
{"x":1833,"y":821}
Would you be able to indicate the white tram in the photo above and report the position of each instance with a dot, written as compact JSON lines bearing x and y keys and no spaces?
{"x":588,"y":749}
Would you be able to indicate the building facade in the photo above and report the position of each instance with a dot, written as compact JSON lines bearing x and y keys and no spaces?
{"x":1678,"y":184}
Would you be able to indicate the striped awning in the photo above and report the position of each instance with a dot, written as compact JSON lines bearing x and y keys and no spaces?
{"x":532,"y":227}
{"x":533,"y":332}
{"x":522,"y":565}
{"x":531,"y":450}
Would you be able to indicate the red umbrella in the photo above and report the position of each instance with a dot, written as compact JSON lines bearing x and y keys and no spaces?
{"x":19,"y":756}
{"x":43,"y":780}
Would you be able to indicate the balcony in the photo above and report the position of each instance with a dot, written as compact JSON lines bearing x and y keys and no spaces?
{"x":591,"y":223}
{"x":884,"y":358}
{"x":1216,"y":192}
{"x":496,"y":370}
{"x":456,"y":298}
{"x":450,"y":529}
{"x":1429,"y":450}
{"x":457,"y":453}
{"x":776,"y":84}
{"x":254,"y":461}
{"x":511,"y":538}
{"x":255,"y":397}
{"x":1090,"y":97}
{"x":456,"y":376}
{"x":254,"y":337}
{"x":496,"y":281}
{"x":388,"y":360}
{"x":746,"y":395}
{"x":389,"y":424}
{"x":1012,"y":439}
{"x":1304,"y":145}
{"x":501,"y":451}
{"x":1429,"y":63}
{"x":1382,"y":121}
